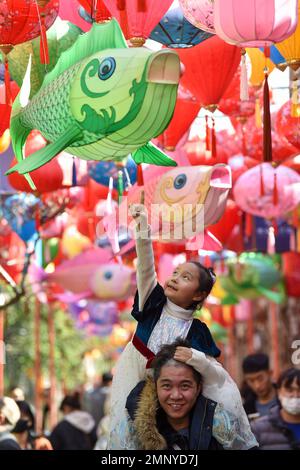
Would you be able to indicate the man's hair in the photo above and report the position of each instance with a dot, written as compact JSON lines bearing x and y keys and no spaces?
{"x":288,"y":376}
{"x":106,"y":377}
{"x":165,"y":356}
{"x":72,"y":401}
{"x":255,"y":363}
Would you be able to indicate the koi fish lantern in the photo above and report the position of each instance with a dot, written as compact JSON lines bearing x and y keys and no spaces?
{"x":97,"y":105}
{"x":99,"y":278}
{"x":250,"y":276}
{"x":180,"y":200}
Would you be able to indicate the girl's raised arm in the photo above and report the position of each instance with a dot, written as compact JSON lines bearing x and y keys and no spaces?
{"x":146,"y":275}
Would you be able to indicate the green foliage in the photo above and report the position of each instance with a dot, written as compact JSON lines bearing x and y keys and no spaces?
{"x":19,"y":341}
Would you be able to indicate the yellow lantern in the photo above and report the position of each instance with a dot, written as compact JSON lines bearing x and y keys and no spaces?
{"x":73,"y":242}
{"x":258,"y":63}
{"x":290,"y":48}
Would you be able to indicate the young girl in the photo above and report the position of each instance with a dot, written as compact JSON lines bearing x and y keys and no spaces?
{"x":163,"y":315}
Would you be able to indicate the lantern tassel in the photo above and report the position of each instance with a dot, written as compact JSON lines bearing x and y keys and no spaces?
{"x":74,"y":173}
{"x":207,"y":132}
{"x":293,"y":240}
{"x":244,"y":146}
{"x":262,"y":184}
{"x":121,"y":5}
{"x":271,"y":241}
{"x":248,"y":225}
{"x":8,"y":95}
{"x":267,"y":123}
{"x":258,"y":121}
{"x":141,"y":5}
{"x":140,"y":182}
{"x":213,"y":140}
{"x":275,"y":190}
{"x":44,"y":50}
{"x":295,"y":108}
{"x":244,"y":90}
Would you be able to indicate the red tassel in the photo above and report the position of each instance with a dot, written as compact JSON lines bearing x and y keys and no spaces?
{"x":141,"y":5}
{"x":121,"y":5}
{"x":213,"y":140}
{"x":244,"y":146}
{"x":44,"y":51}
{"x":8,"y":96}
{"x":207,"y":131}
{"x":275,"y":226}
{"x":262,"y":184}
{"x":275,"y":190}
{"x":267,"y":153}
{"x":267,"y":52}
{"x":140,"y":177}
{"x":248,"y":225}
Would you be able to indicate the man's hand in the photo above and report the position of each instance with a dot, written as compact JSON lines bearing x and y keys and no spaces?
{"x":183,"y":354}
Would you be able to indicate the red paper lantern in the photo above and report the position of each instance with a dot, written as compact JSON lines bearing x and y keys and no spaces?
{"x":196,"y":152}
{"x":231,"y":104}
{"x":97,"y":10}
{"x":186,"y":110}
{"x":209,"y":69}
{"x":230,"y":219}
{"x":24,"y":20}
{"x":281,"y":148}
{"x":291,"y":271}
{"x":5,"y":108}
{"x":288,"y":126}
{"x":138,"y":17}
{"x":47,"y":178}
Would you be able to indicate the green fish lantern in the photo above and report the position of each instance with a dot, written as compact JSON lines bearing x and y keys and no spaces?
{"x":250,"y":276}
{"x":102,"y":101}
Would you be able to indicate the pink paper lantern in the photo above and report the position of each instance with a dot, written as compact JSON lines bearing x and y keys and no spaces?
{"x":281,"y":193}
{"x":137,"y":18}
{"x":258,"y":23}
{"x":200,"y":13}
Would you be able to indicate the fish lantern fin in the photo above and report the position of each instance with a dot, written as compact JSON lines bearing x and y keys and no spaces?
{"x":230,"y":299}
{"x":101,"y":36}
{"x":275,"y":296}
{"x":149,"y":153}
{"x":45,"y":154}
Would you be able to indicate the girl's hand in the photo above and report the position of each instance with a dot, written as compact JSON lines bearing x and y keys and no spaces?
{"x":183,"y":354}
{"x":138,"y":210}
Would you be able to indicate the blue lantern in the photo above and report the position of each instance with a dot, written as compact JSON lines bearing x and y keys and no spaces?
{"x":174,"y":30}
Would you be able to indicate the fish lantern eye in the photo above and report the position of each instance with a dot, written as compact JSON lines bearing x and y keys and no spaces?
{"x":107,"y":68}
{"x":107,"y":275}
{"x":180,"y":181}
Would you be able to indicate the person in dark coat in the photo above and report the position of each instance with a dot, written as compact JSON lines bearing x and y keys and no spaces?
{"x":77,"y":429}
{"x":280,"y":428}
{"x":259,"y":392}
{"x":9,"y":416}
{"x":169,"y":411}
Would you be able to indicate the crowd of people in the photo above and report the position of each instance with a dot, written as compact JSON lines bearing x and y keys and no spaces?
{"x":169,"y":391}
{"x":167,"y":410}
